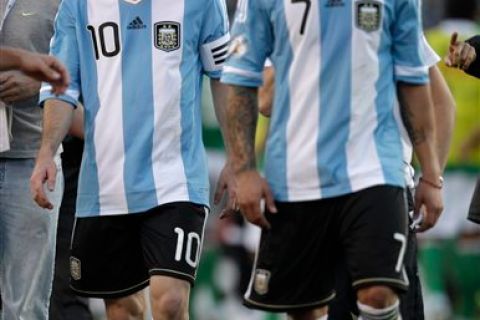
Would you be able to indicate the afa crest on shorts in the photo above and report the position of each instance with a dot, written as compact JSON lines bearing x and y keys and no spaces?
{"x":261,"y":281}
{"x":368,"y":15}
{"x":167,"y":35}
{"x":75,"y":268}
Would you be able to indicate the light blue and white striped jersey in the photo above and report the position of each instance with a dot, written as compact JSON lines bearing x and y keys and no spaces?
{"x":337,"y":62}
{"x":137,"y":67}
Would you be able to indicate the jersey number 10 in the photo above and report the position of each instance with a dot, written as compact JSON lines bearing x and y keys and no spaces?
{"x":107,"y":30}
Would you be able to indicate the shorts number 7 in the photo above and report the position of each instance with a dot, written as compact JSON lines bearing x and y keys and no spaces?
{"x":308,"y":4}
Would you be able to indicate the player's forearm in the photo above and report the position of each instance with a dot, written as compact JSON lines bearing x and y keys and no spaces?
{"x":10,"y":58}
{"x":76,"y":129}
{"x":266,"y":92}
{"x":220,"y":100}
{"x":444,"y":112}
{"x":418,"y":117}
{"x":57,"y":120}
{"x":242,"y":114}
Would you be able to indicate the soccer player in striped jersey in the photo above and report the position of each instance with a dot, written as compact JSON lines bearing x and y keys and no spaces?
{"x":137,"y":67}
{"x":411,"y":303}
{"x":334,"y":161}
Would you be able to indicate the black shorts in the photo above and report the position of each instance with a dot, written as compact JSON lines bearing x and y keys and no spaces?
{"x":344,"y":306}
{"x":295,"y":264}
{"x":114,"y":256}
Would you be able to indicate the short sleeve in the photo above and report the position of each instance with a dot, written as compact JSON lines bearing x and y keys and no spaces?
{"x":429,"y":55}
{"x":407,"y":43}
{"x":251,"y":45}
{"x":215,"y":38}
{"x":64,"y":46}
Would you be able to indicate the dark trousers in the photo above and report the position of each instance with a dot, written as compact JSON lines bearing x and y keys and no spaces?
{"x":64,"y":304}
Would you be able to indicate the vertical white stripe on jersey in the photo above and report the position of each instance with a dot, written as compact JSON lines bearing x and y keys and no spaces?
{"x":304,"y":84}
{"x":109,"y":138}
{"x":168,"y":167}
{"x":361,"y":150}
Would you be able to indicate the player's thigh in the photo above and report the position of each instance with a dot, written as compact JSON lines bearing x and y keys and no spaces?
{"x":293,"y":266}
{"x":172,"y":237}
{"x":107,"y":260}
{"x":374,"y":235}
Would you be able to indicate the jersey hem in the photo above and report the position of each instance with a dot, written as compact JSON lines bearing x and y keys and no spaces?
{"x":82,"y":213}
{"x":312,"y":196}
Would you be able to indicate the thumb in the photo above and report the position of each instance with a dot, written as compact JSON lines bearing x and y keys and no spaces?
{"x":453,"y":39}
{"x":51,"y":177}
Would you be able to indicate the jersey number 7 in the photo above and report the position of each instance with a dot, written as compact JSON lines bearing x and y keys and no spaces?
{"x":308,"y":4}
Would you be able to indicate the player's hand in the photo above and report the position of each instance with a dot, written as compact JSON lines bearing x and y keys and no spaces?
{"x":45,"y":68}
{"x":16,"y":86}
{"x":226,"y":184}
{"x":428,"y":200}
{"x":45,"y":171}
{"x":251,"y":189}
{"x":460,"y":54}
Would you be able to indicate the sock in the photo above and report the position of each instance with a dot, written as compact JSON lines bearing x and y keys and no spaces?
{"x":370,"y":313}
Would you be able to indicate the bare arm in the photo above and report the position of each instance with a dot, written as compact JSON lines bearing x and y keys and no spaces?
{"x":418,"y":116}
{"x":37,"y":66}
{"x":219,"y":94}
{"x":57,"y":119}
{"x":76,"y":129}
{"x":226,"y":180}
{"x":242,"y":114}
{"x":444,"y":113}
{"x":266,"y":92}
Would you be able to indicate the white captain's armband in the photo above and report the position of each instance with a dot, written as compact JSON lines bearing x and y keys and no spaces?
{"x":215,"y":53}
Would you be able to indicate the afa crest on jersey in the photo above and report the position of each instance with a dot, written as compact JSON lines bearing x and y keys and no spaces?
{"x":167,"y":35}
{"x":368,"y":15}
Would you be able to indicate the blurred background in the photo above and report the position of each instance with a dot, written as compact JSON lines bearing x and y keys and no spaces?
{"x":449,"y":255}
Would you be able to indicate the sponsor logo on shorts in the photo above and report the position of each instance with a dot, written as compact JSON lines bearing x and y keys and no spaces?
{"x":261,"y":281}
{"x":368,"y":15}
{"x":75,"y":268}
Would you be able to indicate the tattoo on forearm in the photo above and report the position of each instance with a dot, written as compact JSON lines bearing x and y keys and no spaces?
{"x":417,"y":135}
{"x":242,"y":114}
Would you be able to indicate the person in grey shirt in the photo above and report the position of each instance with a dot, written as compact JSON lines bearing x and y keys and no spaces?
{"x":27,"y":232}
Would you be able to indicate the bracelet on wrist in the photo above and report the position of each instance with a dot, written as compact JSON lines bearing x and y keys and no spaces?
{"x":438,"y":185}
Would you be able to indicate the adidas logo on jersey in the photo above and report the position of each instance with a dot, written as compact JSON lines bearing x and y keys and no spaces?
{"x":335,"y":3}
{"x":136,"y":24}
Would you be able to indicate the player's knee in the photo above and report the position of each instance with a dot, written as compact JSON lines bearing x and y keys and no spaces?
{"x":377,"y":296}
{"x":128,"y":308}
{"x":315,"y":314}
{"x":169,"y":297}
{"x":170,"y":304}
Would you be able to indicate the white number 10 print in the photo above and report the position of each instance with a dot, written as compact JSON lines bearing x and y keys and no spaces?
{"x":191,"y":238}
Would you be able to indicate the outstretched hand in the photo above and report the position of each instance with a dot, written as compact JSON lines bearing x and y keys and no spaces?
{"x":45,"y":68}
{"x":429,"y":203}
{"x":251,"y":190}
{"x":45,"y":172}
{"x":460,"y":54}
